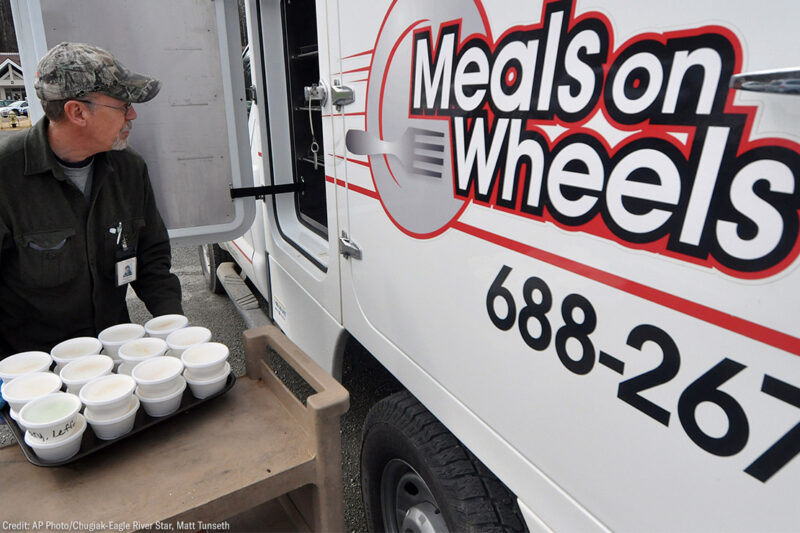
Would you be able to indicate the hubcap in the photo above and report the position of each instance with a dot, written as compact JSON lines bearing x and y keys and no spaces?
{"x":206,"y":259}
{"x":407,"y":504}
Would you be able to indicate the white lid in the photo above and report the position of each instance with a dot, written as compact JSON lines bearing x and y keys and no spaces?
{"x":157,"y":370}
{"x":121,"y":333}
{"x":30,"y":386}
{"x":74,"y":348}
{"x":107,"y":389}
{"x":86,"y":368}
{"x":164,"y":323}
{"x":24,"y":363}
{"x":190,"y":336}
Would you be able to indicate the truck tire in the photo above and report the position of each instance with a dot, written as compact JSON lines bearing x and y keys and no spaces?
{"x":416,"y":476}
{"x":211,"y":256}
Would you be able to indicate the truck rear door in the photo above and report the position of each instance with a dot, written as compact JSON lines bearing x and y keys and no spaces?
{"x":193,"y":135}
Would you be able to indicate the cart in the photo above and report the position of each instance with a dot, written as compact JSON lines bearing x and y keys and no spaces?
{"x":256,"y":457}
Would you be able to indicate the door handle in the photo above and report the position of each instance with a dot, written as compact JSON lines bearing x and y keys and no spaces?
{"x":784,"y":81}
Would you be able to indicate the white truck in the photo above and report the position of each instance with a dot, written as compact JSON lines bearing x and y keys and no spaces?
{"x":569,"y":228}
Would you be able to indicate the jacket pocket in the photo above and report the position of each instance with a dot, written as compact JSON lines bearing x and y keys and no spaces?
{"x":48,"y":258}
{"x":113,"y":252}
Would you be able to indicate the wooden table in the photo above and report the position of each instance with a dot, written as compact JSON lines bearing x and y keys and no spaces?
{"x":257,"y":443}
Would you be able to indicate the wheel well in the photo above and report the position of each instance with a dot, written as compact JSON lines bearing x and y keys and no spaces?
{"x":369,"y":382}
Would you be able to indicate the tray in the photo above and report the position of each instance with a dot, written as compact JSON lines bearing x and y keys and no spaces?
{"x":90,"y":443}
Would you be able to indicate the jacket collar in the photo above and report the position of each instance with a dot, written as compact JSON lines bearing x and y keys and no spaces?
{"x":39,"y":158}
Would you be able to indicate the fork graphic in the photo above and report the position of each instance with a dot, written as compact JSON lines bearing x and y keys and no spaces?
{"x":410,"y":149}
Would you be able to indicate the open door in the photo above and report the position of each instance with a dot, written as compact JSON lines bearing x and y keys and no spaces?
{"x":193,"y":135}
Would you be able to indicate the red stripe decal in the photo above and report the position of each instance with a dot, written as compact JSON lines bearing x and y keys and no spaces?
{"x":364,"y":69}
{"x":354,"y":188}
{"x":365,"y":163}
{"x":707,"y":314}
{"x":358,"y":54}
{"x":242,"y":252}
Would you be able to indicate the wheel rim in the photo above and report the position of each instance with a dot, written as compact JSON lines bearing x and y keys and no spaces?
{"x":407,"y":504}
{"x":206,"y":248}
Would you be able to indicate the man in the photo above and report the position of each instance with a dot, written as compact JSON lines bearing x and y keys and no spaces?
{"x":78,"y":219}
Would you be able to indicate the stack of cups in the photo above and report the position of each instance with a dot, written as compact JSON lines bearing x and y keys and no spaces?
{"x":162,"y":326}
{"x":81,"y":371}
{"x":23,"y":363}
{"x":160,"y":385}
{"x":23,"y":389}
{"x":181,"y":339}
{"x":110,"y":405}
{"x":72,"y":349}
{"x":115,"y":336}
{"x":207,"y":368}
{"x":54,"y":425}
{"x":134,"y":352}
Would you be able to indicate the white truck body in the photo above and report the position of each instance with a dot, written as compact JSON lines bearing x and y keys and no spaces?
{"x":594,"y":283}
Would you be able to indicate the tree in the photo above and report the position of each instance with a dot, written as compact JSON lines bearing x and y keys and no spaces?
{"x":8,"y":38}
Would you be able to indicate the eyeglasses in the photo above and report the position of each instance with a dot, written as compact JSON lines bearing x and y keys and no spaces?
{"x":125,"y":109}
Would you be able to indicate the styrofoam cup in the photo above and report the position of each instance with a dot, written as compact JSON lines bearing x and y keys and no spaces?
{"x":115,"y":336}
{"x":81,"y":371}
{"x":138,"y":350}
{"x":23,"y":363}
{"x":59,"y":450}
{"x":203,"y":388}
{"x":164,"y":404}
{"x":162,"y":326}
{"x":108,"y":396}
{"x":25,"y":388}
{"x":112,"y":428}
{"x":51,"y":417}
{"x":183,"y":338}
{"x":157,"y":376}
{"x":205,"y":360}
{"x":72,"y":349}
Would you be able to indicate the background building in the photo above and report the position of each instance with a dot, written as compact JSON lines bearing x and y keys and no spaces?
{"x":12,"y":84}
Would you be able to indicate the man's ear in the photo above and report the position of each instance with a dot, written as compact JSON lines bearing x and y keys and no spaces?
{"x":76,"y":112}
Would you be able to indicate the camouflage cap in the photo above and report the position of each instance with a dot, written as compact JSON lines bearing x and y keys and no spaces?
{"x":71,"y":70}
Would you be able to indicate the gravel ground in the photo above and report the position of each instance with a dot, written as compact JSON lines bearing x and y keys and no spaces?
{"x":366,"y":380}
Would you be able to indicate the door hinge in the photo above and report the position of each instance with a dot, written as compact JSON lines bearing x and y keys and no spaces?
{"x":348,"y":248}
{"x":261,"y":192}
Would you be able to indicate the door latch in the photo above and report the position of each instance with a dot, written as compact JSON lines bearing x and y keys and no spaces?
{"x":315,"y":92}
{"x":348,"y":248}
{"x":341,"y":95}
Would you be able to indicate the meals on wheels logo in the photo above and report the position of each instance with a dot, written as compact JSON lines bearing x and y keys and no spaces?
{"x":522,"y":122}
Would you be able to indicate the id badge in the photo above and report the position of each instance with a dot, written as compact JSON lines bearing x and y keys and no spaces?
{"x":126,"y":269}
